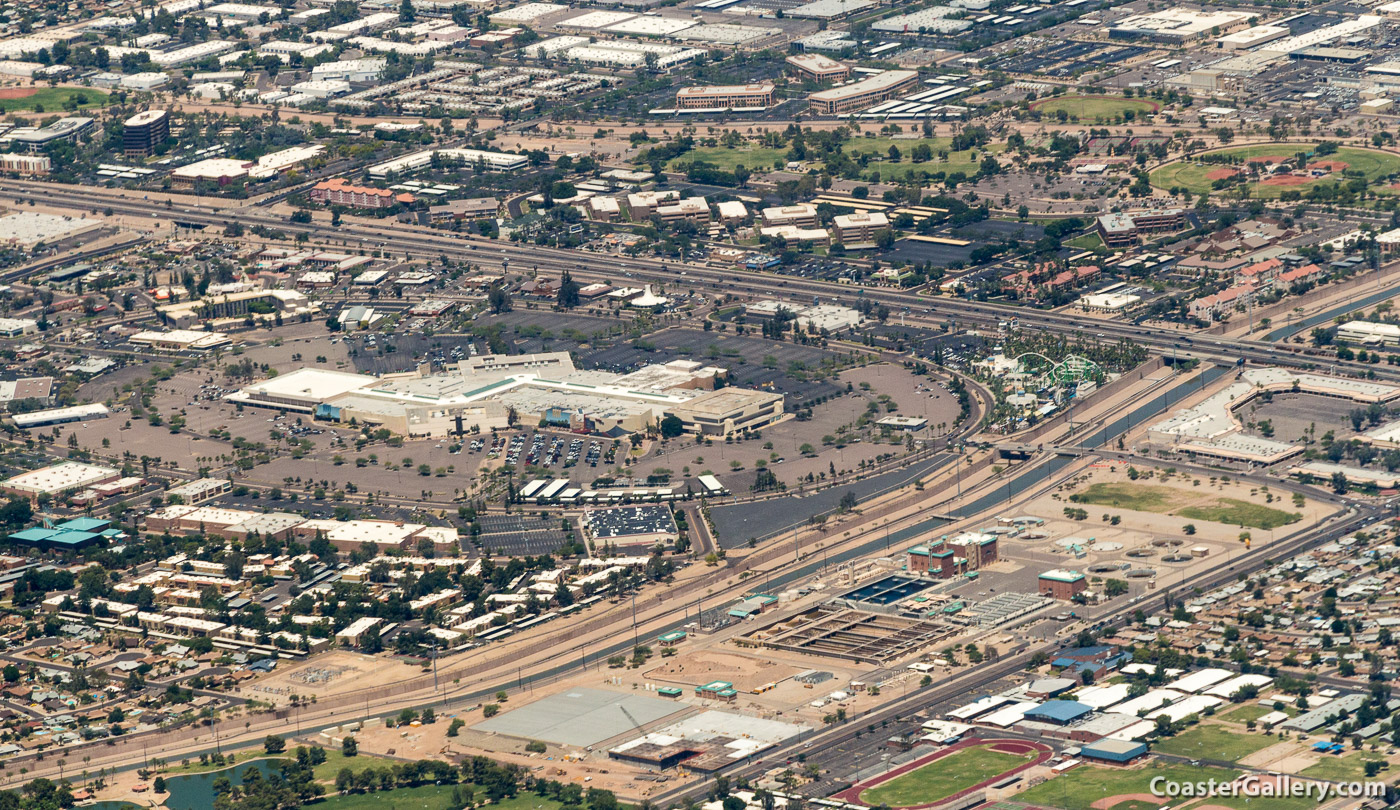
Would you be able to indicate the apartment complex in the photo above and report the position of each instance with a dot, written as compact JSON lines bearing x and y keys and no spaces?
{"x":337,"y":191}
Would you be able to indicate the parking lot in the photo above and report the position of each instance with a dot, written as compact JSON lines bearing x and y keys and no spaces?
{"x":519,"y":535}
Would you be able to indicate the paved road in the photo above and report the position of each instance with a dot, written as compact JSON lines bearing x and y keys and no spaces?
{"x":425,"y":243}
{"x":842,"y":743}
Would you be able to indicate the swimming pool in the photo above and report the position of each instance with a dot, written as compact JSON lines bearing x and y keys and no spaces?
{"x":887,"y":590}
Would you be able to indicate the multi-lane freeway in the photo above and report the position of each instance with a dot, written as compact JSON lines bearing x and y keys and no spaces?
{"x":399,"y":239}
{"x":918,"y":308}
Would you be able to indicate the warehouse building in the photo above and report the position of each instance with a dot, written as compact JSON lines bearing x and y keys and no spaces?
{"x":59,"y":416}
{"x":1180,"y":26}
{"x":179,"y":340}
{"x":50,"y":481}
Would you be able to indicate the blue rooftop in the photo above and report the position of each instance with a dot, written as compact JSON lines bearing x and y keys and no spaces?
{"x":1059,"y":711}
{"x":71,"y":538}
{"x":1099,"y":651}
{"x":85,"y":524}
{"x":34,"y":535}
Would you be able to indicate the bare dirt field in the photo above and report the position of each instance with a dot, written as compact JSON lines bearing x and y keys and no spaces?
{"x":745,"y":672}
{"x":330,"y":673}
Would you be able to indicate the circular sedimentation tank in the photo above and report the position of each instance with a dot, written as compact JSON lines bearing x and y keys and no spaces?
{"x":1168,"y":542}
{"x":1106,"y":568}
{"x":1141,"y":573}
{"x":1142,"y":553}
{"x":1177,"y":558}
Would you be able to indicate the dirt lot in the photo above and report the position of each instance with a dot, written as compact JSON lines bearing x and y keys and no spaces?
{"x":324,"y":675}
{"x":745,"y":672}
{"x":1160,"y":532}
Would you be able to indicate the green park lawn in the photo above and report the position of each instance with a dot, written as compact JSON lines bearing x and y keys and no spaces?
{"x":965,"y":161}
{"x":1089,"y":241}
{"x":56,"y":99}
{"x":753,"y":158}
{"x":233,"y":759}
{"x":1214,"y":742}
{"x":335,"y":761}
{"x":1095,"y":108}
{"x":1168,"y":501}
{"x":424,"y":797}
{"x":1241,"y":513}
{"x":1193,"y":176}
{"x":1141,"y":497}
{"x":943,"y":777}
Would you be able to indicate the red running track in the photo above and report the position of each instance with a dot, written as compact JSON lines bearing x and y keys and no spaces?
{"x":1043,"y":753}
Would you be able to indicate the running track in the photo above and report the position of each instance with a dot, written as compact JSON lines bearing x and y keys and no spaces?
{"x":1043,"y":752}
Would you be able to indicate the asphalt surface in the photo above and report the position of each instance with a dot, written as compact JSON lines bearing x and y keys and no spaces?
{"x":425,"y":243}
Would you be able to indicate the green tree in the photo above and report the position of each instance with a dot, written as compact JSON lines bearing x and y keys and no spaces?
{"x":568,"y":297}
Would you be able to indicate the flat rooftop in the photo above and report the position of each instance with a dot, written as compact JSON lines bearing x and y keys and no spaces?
{"x":581,"y":717}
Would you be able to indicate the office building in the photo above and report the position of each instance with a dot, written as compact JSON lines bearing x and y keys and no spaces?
{"x":865,"y":93}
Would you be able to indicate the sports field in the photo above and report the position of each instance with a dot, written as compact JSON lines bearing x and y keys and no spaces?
{"x":51,"y":99}
{"x":1096,"y":788}
{"x":1198,"y":177}
{"x":1214,"y":742}
{"x":1094,"y":108}
{"x":1091,"y":787}
{"x":944,"y":777}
